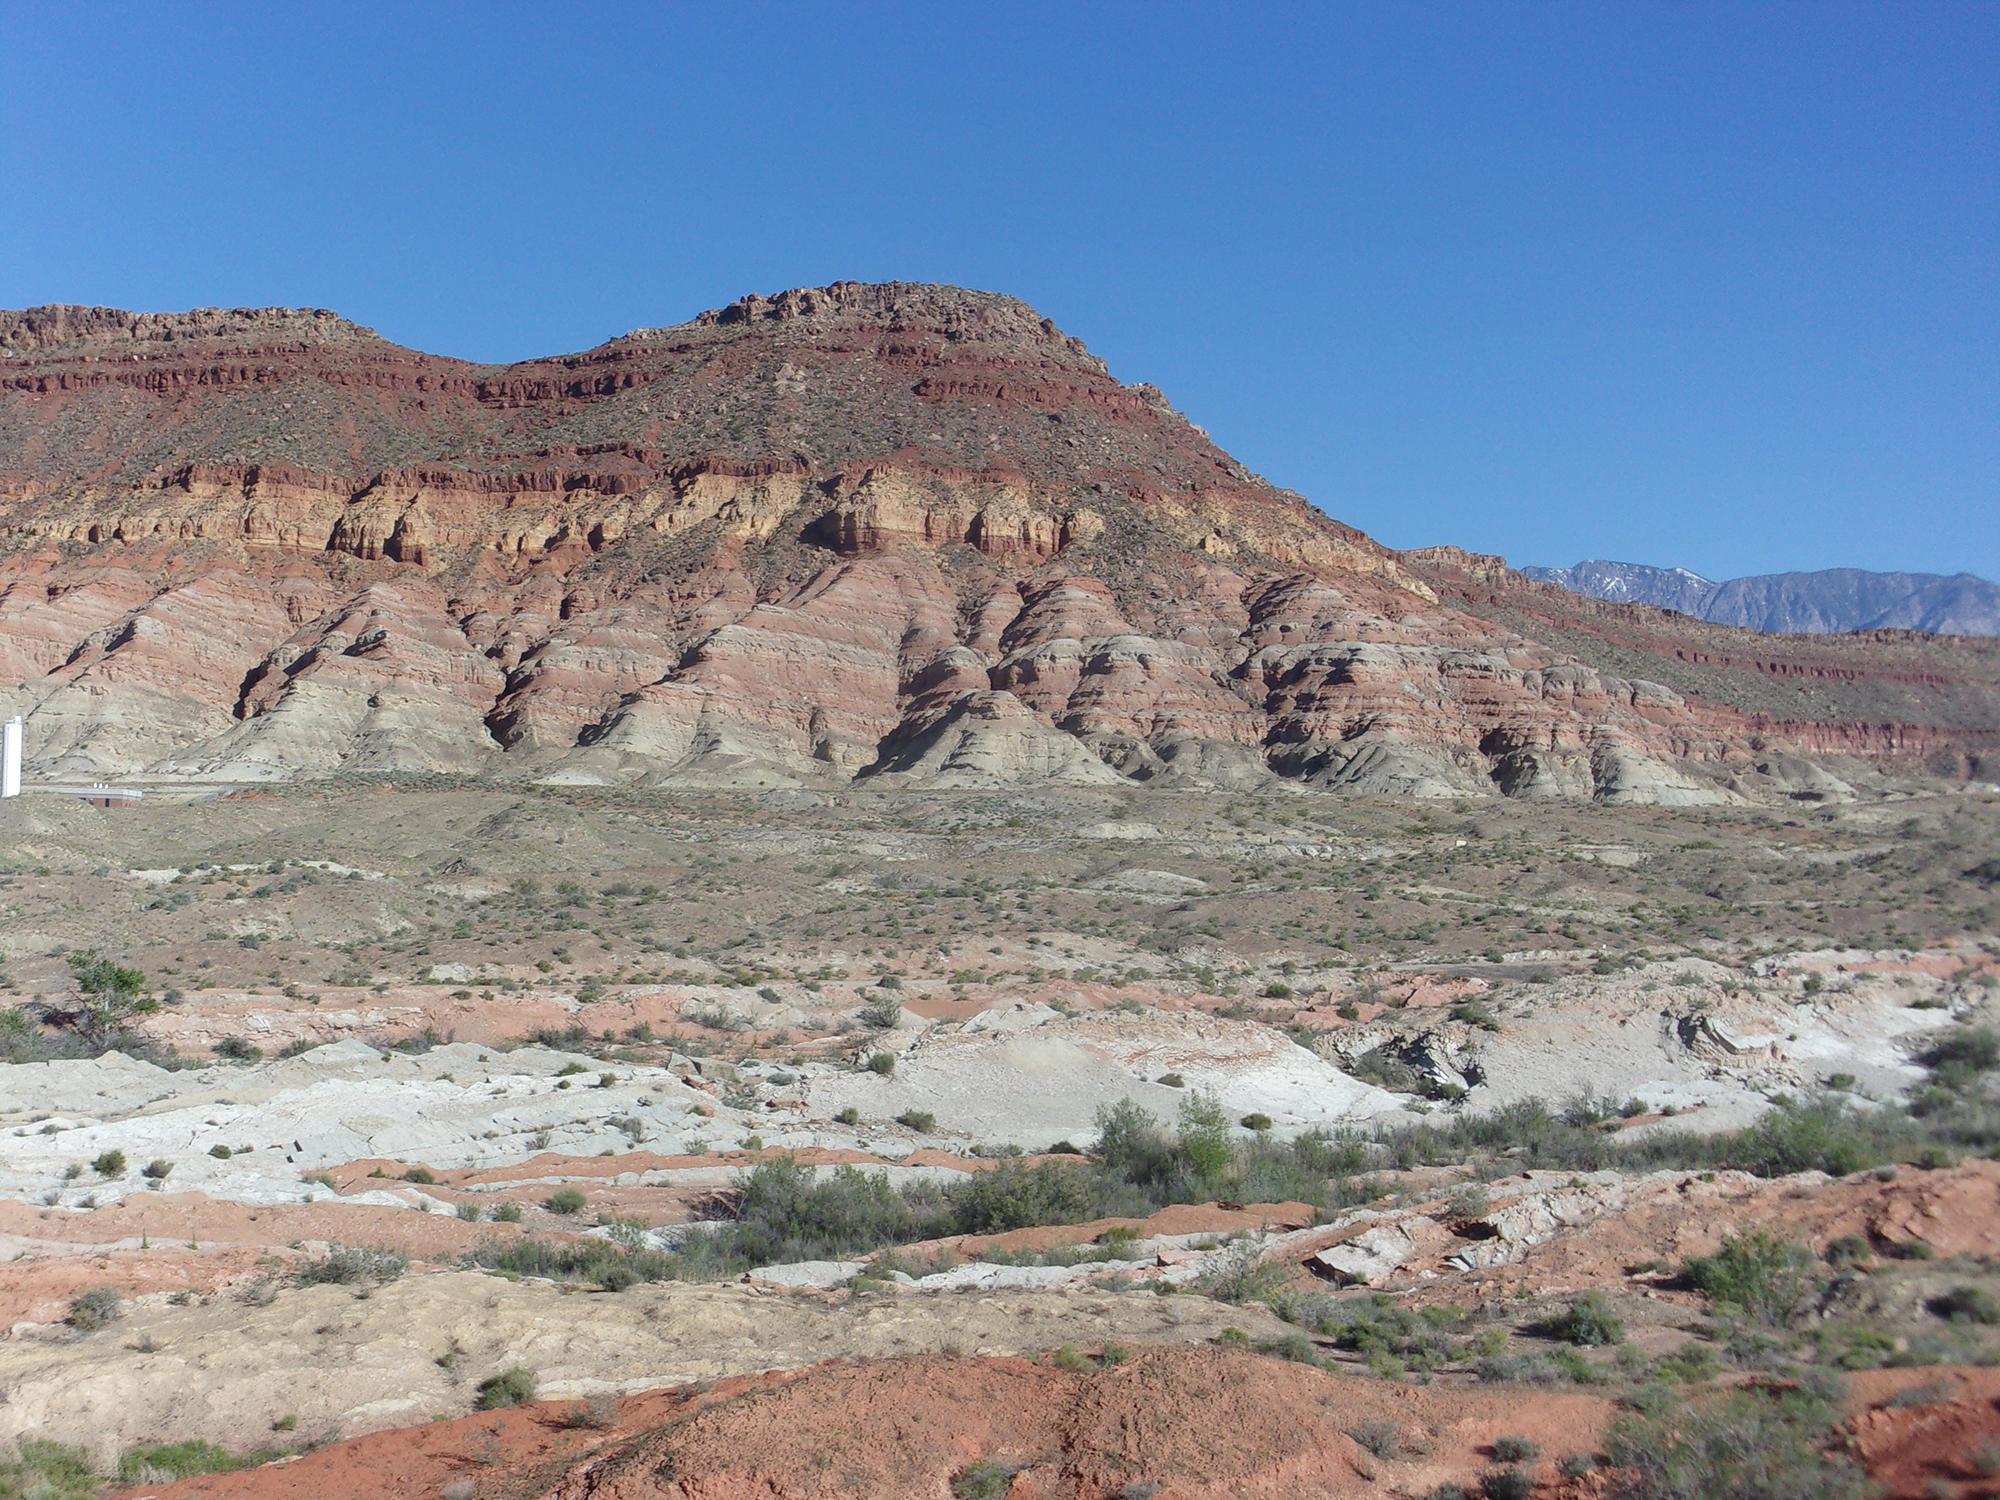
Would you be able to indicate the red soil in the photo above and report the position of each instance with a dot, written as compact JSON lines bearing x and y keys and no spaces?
{"x":1196,"y":1423}
{"x":1949,"y":1438}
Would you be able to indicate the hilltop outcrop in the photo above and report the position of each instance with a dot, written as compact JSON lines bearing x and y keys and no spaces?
{"x":903,"y":532}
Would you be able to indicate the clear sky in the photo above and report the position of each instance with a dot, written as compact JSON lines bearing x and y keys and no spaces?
{"x":1657,"y":280}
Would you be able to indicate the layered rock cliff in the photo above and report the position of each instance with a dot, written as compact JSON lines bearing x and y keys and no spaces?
{"x":906,"y":533}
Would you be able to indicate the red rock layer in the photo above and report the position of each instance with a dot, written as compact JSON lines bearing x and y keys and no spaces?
{"x":904,"y":532}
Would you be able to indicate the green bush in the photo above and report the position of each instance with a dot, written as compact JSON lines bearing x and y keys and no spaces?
{"x":883,"y":1063}
{"x":566,"y":1201}
{"x":1976,"y":1050}
{"x":884,"y":1013}
{"x":509,"y":1388}
{"x":1588,"y":1321}
{"x":1824,"y":1135}
{"x":109,"y":1164}
{"x":47,"y":1471}
{"x":1203,"y":1131}
{"x":165,"y":1462}
{"x":238,"y":1049}
{"x":920,"y":1120}
{"x":1131,"y":1143}
{"x":1966,"y":1304}
{"x":1746,"y":1442}
{"x":988,"y":1479}
{"x":109,"y":997}
{"x":1769,"y":1279}
{"x":422,"y":1176}
{"x":784,"y":1213}
{"x":849,"y":1116}
{"x":1258,"y":1123}
{"x":1512,"y":1448}
{"x":1014,"y":1196}
{"x":346,"y":1265}
{"x":506,"y":1213}
{"x":1376,"y":1327}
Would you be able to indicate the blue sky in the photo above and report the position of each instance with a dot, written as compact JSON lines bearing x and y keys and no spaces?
{"x":1683,"y":283}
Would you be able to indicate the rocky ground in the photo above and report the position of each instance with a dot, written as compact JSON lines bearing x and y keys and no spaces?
{"x":524,"y":1047}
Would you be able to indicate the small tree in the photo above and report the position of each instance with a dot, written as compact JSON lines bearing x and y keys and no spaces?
{"x":110,"y":997}
{"x":1204,"y":1134}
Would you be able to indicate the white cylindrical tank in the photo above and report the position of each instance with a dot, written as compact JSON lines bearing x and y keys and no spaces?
{"x":10,"y":757}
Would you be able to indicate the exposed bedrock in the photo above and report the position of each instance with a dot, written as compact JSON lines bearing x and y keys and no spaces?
{"x":913,"y":534}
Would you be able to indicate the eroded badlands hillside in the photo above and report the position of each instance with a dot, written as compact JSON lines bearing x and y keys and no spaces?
{"x":907,"y":533}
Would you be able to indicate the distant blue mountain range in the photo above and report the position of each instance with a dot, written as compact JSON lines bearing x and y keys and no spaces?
{"x":1829,"y":601}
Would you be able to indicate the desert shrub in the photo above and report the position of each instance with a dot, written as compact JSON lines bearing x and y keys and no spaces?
{"x":1975,"y":1050}
{"x":1588,"y":1321}
{"x":1376,"y":1327}
{"x":422,"y":1176}
{"x":220,"y":1152}
{"x":349,"y":1265}
{"x":1531,"y":1369}
{"x":109,"y":1164}
{"x":468,"y":1212}
{"x":1014,"y":1196}
{"x":1383,"y":1439}
{"x":597,"y":1411}
{"x":1475,"y":1013}
{"x":849,"y":1116}
{"x":1824,"y":1135}
{"x":109,"y":998}
{"x":609,"y":1265}
{"x":986,"y":1480}
{"x":157,"y":1170}
{"x":566,"y":1201}
{"x":21,"y":1040}
{"x":883,"y":1063}
{"x":1853,"y":1346}
{"x":1202,"y":1131}
{"x":1745,"y":1442}
{"x":1965,"y":1304}
{"x":1769,"y":1279}
{"x":238,"y":1049}
{"x":509,"y":1388}
{"x":884,"y":1013}
{"x":1687,"y":1365}
{"x":1245,"y":1277}
{"x":1507,"y":1484}
{"x":783,"y":1213}
{"x":506,"y":1213}
{"x":1132,"y":1146}
{"x":1258,"y":1122}
{"x":1512,"y":1448}
{"x":163,"y":1463}
{"x":920,"y":1120}
{"x":47,"y":1471}
{"x":1847,"y":1250}
{"x":94,"y":1309}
